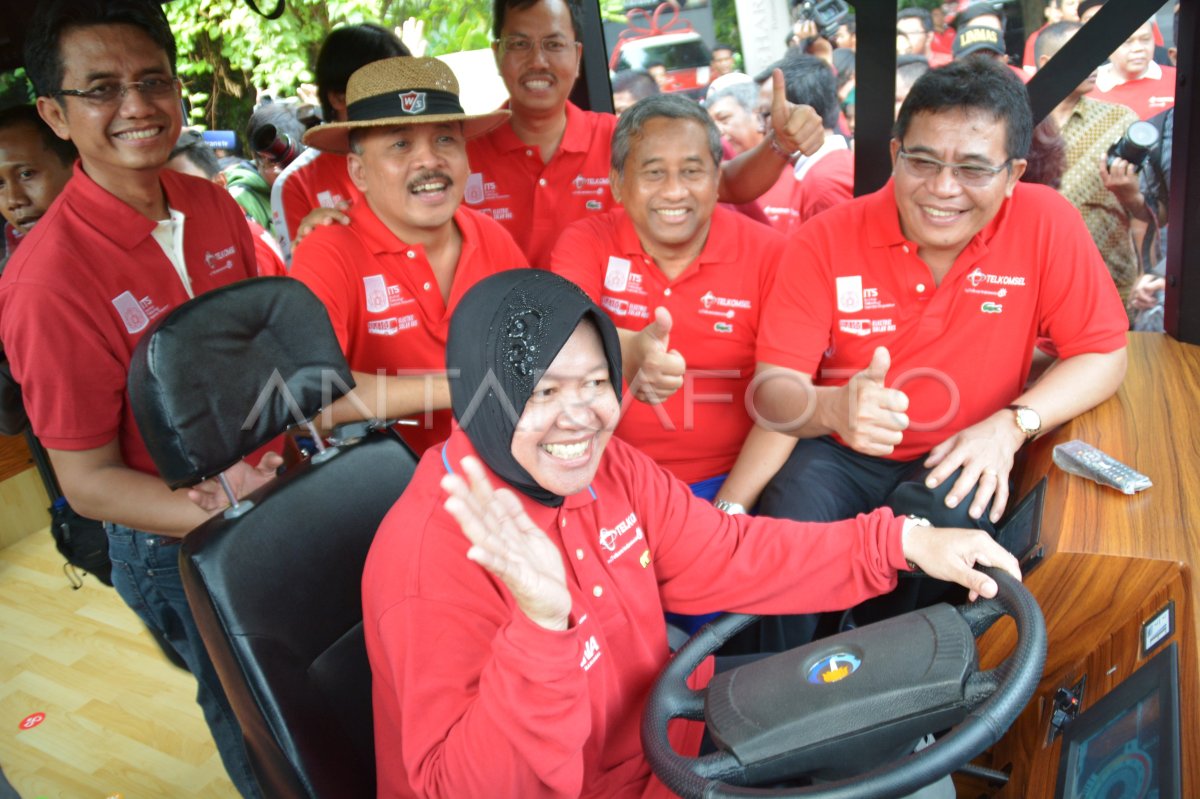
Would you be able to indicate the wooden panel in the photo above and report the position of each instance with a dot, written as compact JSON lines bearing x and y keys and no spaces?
{"x":1152,"y":425}
{"x":1094,"y":607}
{"x":14,"y":456}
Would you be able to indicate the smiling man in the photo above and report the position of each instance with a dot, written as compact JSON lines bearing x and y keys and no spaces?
{"x":899,"y":337}
{"x":126,"y":242}
{"x":391,"y":278}
{"x":684,"y":281}
{"x":547,"y":166}
{"x":35,"y":165}
{"x":1133,"y":79}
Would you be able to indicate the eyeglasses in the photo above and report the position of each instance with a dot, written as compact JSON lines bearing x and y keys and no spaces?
{"x":523,"y":46}
{"x":112,"y":93}
{"x":973,"y":175}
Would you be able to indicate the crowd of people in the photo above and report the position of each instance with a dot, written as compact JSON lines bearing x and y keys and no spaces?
{"x":661,"y":364}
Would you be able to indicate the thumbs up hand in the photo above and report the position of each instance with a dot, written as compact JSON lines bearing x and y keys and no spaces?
{"x":654,"y":372}
{"x":874,"y":419}
{"x":796,"y":127}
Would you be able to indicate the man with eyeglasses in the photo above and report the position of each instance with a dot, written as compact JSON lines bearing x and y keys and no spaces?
{"x":125,"y":243}
{"x":548,"y":165}
{"x":898,"y":340}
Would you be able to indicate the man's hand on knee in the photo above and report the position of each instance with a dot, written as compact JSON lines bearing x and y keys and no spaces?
{"x":985,"y":451}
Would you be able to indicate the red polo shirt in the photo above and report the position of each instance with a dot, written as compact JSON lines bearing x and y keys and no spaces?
{"x":384,"y":302}
{"x":715,"y":305}
{"x":826,"y":183}
{"x":83,"y":289}
{"x":776,"y":202}
{"x":962,"y":350}
{"x":1146,"y":96}
{"x":471,"y":698}
{"x":535,"y":201}
{"x":314,"y":180}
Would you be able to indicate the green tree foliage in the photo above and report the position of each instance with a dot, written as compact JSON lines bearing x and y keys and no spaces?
{"x":227,"y":52}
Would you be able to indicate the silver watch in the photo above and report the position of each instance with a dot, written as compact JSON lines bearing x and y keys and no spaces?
{"x":732,"y":508}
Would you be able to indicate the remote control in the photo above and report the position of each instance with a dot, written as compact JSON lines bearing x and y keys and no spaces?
{"x":1081,"y":458}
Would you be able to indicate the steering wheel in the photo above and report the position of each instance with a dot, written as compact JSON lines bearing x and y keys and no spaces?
{"x":987,"y":701}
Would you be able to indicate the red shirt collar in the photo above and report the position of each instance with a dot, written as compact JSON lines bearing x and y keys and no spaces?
{"x":721,"y":246}
{"x":883,"y":222}
{"x":115,"y":219}
{"x":380,"y":240}
{"x":575,"y":137}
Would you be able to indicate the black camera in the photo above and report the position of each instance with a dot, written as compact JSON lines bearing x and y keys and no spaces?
{"x":1135,"y":145}
{"x":275,"y":146}
{"x":827,"y":14}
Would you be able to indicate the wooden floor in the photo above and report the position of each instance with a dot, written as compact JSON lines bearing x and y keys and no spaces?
{"x":120,"y":720}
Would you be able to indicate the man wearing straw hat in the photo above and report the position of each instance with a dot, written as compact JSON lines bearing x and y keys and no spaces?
{"x":391,"y":278}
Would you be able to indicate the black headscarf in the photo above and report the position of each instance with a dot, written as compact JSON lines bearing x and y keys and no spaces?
{"x":504,"y":334}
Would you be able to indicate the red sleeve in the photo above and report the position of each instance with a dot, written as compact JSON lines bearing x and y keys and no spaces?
{"x":55,"y":349}
{"x":798,"y":317}
{"x":1080,"y":310}
{"x":576,"y":257}
{"x":295,"y":204}
{"x":478,"y":714}
{"x":756,"y":564}
{"x":320,"y":264}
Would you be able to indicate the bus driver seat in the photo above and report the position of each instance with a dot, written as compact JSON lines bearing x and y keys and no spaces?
{"x":274,"y":581}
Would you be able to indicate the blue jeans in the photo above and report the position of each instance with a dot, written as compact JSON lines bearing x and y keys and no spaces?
{"x":146,"y":575}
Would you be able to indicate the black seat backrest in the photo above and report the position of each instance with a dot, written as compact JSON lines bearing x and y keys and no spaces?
{"x":275,"y":590}
{"x":276,"y":593}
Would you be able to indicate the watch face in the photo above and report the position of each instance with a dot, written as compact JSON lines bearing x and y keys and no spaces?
{"x":1028,"y":420}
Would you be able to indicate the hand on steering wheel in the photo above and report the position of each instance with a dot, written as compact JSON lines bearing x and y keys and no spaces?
{"x":992,"y":700}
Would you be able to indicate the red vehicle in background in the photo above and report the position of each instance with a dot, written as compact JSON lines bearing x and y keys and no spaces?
{"x":673,"y":44}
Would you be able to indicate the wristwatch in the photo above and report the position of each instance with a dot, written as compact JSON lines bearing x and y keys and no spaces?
{"x":1028,"y":420}
{"x":911,"y":521}
{"x":732,"y":508}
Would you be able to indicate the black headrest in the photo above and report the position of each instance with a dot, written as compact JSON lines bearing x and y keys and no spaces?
{"x":226,"y":372}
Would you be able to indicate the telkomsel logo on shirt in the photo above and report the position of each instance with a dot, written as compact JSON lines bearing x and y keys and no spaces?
{"x":219,"y":262}
{"x":618,"y":540}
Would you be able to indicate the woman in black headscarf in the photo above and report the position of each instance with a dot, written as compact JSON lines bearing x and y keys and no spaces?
{"x":515,"y":632}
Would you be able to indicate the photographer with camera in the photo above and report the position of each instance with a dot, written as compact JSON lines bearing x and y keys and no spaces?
{"x":1101,"y":178}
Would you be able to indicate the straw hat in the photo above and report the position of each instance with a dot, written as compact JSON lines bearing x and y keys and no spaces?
{"x":400,"y":91}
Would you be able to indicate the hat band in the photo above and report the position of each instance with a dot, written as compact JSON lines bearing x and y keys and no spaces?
{"x":407,"y":102}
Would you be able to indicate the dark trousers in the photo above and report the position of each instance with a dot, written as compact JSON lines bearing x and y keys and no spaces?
{"x":824,"y":481}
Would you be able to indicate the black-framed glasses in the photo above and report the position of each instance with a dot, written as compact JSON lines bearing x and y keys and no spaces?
{"x":523,"y":46}
{"x":113,"y":93}
{"x":973,"y":175}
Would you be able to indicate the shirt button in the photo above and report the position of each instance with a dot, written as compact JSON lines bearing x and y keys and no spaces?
{"x":411,"y":254}
{"x":579,"y":554}
{"x":906,"y":249}
{"x":529,"y":152}
{"x":426,"y":287}
{"x":666,"y":292}
{"x":597,"y":591}
{"x":920,"y":288}
{"x":541,"y":181}
{"x":563,"y":522}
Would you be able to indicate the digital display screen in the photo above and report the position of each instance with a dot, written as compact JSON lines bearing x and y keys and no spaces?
{"x":1126,"y":746}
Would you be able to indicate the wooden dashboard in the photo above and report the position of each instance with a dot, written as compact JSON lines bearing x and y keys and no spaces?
{"x":1114,"y":562}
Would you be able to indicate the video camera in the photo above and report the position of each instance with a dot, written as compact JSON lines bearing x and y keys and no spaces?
{"x":1135,"y":145}
{"x":827,"y":14}
{"x":275,"y":146}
